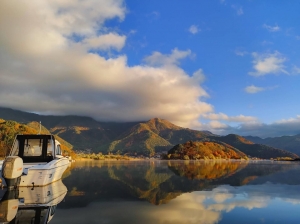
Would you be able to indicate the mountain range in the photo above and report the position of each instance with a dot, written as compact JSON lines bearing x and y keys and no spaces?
{"x":289,"y":143}
{"x":133,"y":138}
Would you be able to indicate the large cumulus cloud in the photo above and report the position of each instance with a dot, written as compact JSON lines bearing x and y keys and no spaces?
{"x":48,"y":65}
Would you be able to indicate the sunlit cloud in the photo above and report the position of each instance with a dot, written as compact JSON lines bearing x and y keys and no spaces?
{"x":214,"y":125}
{"x":106,"y":42}
{"x":270,"y":63}
{"x":50,"y":64}
{"x":275,"y":28}
{"x":194,"y":29}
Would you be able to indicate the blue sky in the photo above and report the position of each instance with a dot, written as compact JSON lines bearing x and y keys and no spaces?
{"x":228,"y":34}
{"x":224,"y":66}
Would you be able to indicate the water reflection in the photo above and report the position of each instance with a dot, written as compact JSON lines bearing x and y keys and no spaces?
{"x":31,"y":204}
{"x":160,"y":181}
{"x":181,"y":192}
{"x":206,"y":170}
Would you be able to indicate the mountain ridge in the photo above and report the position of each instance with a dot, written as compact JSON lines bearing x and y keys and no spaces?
{"x":134,"y":138}
{"x":290,"y":143}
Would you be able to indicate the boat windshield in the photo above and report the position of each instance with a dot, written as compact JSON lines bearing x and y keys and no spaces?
{"x":34,"y":148}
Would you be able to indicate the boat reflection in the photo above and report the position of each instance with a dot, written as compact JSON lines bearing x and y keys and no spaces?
{"x":34,"y":205}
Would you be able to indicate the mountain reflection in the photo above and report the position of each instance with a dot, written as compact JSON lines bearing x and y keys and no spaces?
{"x":158,"y":182}
{"x":206,"y":170}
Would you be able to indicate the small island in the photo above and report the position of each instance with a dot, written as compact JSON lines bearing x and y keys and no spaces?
{"x":195,"y":150}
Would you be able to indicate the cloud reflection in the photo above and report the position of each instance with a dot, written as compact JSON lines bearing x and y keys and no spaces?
{"x":197,"y":207}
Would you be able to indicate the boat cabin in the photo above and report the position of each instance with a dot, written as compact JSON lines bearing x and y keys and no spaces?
{"x":36,"y":148}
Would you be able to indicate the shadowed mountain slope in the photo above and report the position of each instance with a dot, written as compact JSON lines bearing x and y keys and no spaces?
{"x":290,"y":143}
{"x":252,"y":149}
{"x":153,"y":136}
{"x":82,"y":132}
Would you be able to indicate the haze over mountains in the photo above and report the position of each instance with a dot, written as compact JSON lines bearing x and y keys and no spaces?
{"x":135,"y":138}
{"x":289,"y":143}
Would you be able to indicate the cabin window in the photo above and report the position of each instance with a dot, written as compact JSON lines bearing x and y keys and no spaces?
{"x":58,"y":150}
{"x":33,"y":147}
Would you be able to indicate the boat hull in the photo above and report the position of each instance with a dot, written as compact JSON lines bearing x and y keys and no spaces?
{"x":44,"y":174}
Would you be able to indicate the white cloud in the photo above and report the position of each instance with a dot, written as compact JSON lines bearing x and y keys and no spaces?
{"x":275,"y":28}
{"x":254,"y":89}
{"x":282,"y":127}
{"x":270,"y":63}
{"x":46,"y":66}
{"x":214,"y":125}
{"x":289,"y":121}
{"x":159,"y":59}
{"x":194,"y":29}
{"x":240,"y":53}
{"x":224,"y":117}
{"x":296,"y":70}
{"x":239,"y":9}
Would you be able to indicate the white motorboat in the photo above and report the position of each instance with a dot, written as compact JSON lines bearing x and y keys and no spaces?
{"x":31,"y":205}
{"x":34,"y":160}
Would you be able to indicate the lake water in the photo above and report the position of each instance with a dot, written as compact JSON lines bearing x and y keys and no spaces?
{"x":171,"y":192}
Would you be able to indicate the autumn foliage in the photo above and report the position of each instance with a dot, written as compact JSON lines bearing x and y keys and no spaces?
{"x":9,"y":130}
{"x":204,"y":150}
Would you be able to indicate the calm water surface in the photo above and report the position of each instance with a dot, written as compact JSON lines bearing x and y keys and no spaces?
{"x":180,"y":192}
